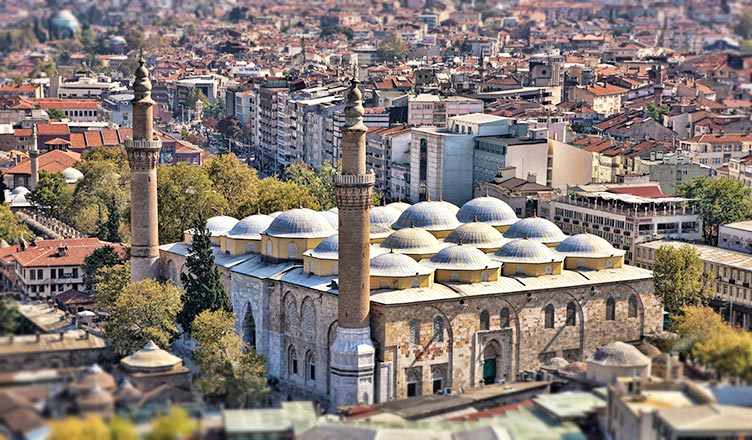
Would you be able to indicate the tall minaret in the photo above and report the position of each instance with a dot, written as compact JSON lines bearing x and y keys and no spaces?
{"x":352,"y":363}
{"x":34,"y":156}
{"x":143,"y":156}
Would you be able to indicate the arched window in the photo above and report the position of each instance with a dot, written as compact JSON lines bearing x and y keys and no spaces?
{"x":581,"y":264}
{"x":415,"y":283}
{"x":384,"y":284}
{"x":292,"y":362}
{"x":485,"y":323}
{"x":484,"y":277}
{"x":310,"y":367}
{"x":549,"y":270}
{"x":250,"y":248}
{"x":292,"y":251}
{"x":454,"y":276}
{"x":633,"y":306}
{"x":610,"y":309}
{"x":548,"y":319}
{"x":292,"y":316}
{"x":309,"y":317}
{"x":520,"y":270}
{"x":504,"y":321}
{"x":269,"y":248}
{"x":414,"y":332}
{"x":438,"y":329}
{"x":609,"y":264}
{"x":571,"y":314}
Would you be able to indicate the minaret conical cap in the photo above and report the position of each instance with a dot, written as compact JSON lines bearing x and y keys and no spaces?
{"x":354,"y":110}
{"x":142,"y":84}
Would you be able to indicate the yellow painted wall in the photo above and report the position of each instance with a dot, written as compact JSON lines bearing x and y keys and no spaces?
{"x":400,"y":283}
{"x":321,"y":267}
{"x":239,"y":246}
{"x":574,"y":263}
{"x":467,"y":276}
{"x":279,"y":246}
{"x":531,"y":269}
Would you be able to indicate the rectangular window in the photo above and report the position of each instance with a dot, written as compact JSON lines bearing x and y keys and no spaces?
{"x":438,"y":385}
{"x":32,"y":274}
{"x":75,"y":272}
{"x":412,"y":389}
{"x":53,"y":274}
{"x":294,"y":366}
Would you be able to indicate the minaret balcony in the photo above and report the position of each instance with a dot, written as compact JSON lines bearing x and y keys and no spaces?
{"x":143,"y":144}
{"x":354,"y":179}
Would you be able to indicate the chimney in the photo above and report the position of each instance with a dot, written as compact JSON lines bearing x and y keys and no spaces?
{"x":531,"y":177}
{"x":62,"y":335}
{"x":62,"y":250}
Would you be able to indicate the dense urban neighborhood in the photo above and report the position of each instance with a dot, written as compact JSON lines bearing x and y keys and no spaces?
{"x":544,"y":210}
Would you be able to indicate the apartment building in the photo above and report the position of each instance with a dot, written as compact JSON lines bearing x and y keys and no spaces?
{"x":603,"y":98}
{"x":671,"y":170}
{"x":385,"y":147}
{"x":736,"y":236}
{"x":717,"y":150}
{"x":741,"y":170}
{"x":435,"y":110}
{"x":373,"y":117}
{"x":83,"y":86}
{"x":624,"y":215}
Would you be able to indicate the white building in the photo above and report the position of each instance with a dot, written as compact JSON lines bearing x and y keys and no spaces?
{"x":736,"y":236}
{"x":435,"y":110}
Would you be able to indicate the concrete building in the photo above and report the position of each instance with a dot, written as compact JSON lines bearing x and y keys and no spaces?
{"x":435,"y":110}
{"x":604,"y":98}
{"x":83,"y":86}
{"x":736,"y":236}
{"x":716,"y":150}
{"x":206,"y":84}
{"x":624,"y":215}
{"x":671,"y":170}
{"x":384,"y":148}
{"x":119,"y":108}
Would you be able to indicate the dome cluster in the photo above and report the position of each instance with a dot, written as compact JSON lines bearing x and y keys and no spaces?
{"x":413,"y":245}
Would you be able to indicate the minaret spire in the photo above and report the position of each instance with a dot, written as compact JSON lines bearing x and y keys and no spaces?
{"x":352,"y":365}
{"x":34,"y":156}
{"x":143,"y":157}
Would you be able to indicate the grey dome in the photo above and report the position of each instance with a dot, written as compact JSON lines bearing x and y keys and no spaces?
{"x":20,"y":190}
{"x":382,"y":218}
{"x":480,"y":235}
{"x":461,"y":258}
{"x":526,"y":251}
{"x":619,"y":354}
{"x":587,"y":246}
{"x":431,"y":216}
{"x":221,"y":224}
{"x":332,"y":218}
{"x":275,"y":214}
{"x":396,"y":265}
{"x":412,"y":241}
{"x":251,"y":227}
{"x":300,"y":223}
{"x":327,"y":249}
{"x":556,"y":364}
{"x":536,"y":228}
{"x":72,"y":175}
{"x":450,"y":206}
{"x":399,"y":206}
{"x":65,"y":19}
{"x":487,"y":210}
{"x":334,"y":210}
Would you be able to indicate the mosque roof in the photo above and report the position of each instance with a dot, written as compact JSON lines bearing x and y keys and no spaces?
{"x":459,"y":257}
{"x":536,"y":228}
{"x":480,"y":235}
{"x":588,"y":246}
{"x":396,"y":265}
{"x":526,"y":251}
{"x":412,"y":241}
{"x":151,"y":357}
{"x":221,"y":224}
{"x":327,"y":249}
{"x":72,"y":175}
{"x":432,"y":216}
{"x":251,"y":227}
{"x":399,"y":206}
{"x":332,"y":218}
{"x":618,"y":354}
{"x":487,"y":210}
{"x":300,"y":223}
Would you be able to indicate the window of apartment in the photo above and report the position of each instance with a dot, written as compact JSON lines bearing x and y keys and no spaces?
{"x":32,"y":274}
{"x":75,"y":272}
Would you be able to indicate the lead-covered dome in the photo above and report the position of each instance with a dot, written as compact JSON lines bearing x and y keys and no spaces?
{"x":619,"y":354}
{"x":526,"y":251}
{"x":412,"y":241}
{"x":461,"y":258}
{"x":382,"y":218}
{"x":327,"y":249}
{"x":536,"y":228}
{"x":72,"y":175}
{"x":487,"y":210}
{"x":480,"y":235}
{"x":20,"y":190}
{"x":399,"y":206}
{"x":431,"y":216}
{"x":332,"y":218}
{"x":396,"y":265}
{"x":587,"y":246}
{"x":300,"y":223}
{"x":221,"y":224}
{"x":250,"y":227}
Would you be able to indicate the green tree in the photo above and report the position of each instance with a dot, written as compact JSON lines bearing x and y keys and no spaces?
{"x":109,"y":282}
{"x":679,"y":278}
{"x":52,"y":193}
{"x":185,"y":193}
{"x":106,"y":256}
{"x":743,"y":25}
{"x":122,"y":429}
{"x":728,"y":351}
{"x":90,"y":428}
{"x":276,"y":195}
{"x":235,"y":181}
{"x":231,"y":372}
{"x":229,"y":127}
{"x":203,"y":285}
{"x":320,"y":183}
{"x":135,"y":39}
{"x":195,"y":96}
{"x":656,"y":111}
{"x":56,"y":113}
{"x":175,"y":424}
{"x":88,"y":39}
{"x":102,"y":198}
{"x":721,"y":201}
{"x":144,"y":311}
{"x":392,"y":48}
{"x":10,"y":319}
{"x":11,"y":227}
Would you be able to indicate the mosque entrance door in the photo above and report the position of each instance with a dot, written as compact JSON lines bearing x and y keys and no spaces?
{"x":489,"y":371}
{"x":249,"y":328}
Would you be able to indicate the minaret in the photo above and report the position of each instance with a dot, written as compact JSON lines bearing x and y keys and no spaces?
{"x":352,"y":363}
{"x":143,"y":156}
{"x":34,"y":156}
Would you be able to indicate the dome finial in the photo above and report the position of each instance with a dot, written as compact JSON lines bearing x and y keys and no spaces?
{"x":142,"y":84}
{"x":535,"y":214}
{"x":524,"y":237}
{"x":475,"y":218}
{"x":354,"y":110}
{"x":428,"y":196}
{"x":486,"y":191}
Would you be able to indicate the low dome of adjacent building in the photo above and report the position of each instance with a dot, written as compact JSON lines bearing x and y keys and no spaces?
{"x":489,"y":210}
{"x":20,"y":190}
{"x":382,"y":218}
{"x":326,"y":250}
{"x":127,"y":395}
{"x":392,"y":264}
{"x":460,"y":257}
{"x":619,"y":354}
{"x":300,"y":223}
{"x":538,"y":229}
{"x":399,"y":206}
{"x":587,"y":246}
{"x":221,"y":224}
{"x":151,"y":358}
{"x":431,"y":216}
{"x":251,"y":227}
{"x":72,"y":175}
{"x":334,"y":210}
{"x":526,"y":251}
{"x":332,"y":218}
{"x":450,"y":206}
{"x":275,"y":214}
{"x":93,"y":377}
{"x":412,"y":241}
{"x":480,"y":235}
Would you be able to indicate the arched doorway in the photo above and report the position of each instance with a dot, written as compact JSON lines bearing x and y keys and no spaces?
{"x":491,"y":358}
{"x":249,"y":328}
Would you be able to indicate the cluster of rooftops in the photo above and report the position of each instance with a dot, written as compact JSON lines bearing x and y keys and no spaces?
{"x":420,"y":243}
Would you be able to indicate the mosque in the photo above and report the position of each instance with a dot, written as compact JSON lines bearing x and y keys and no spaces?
{"x":364,"y":304}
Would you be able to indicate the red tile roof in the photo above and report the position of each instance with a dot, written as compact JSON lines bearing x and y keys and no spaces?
{"x":45,"y":253}
{"x":54,"y":161}
{"x":649,"y":191}
{"x":53,"y":129}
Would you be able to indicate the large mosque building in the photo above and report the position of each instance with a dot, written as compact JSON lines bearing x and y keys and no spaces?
{"x":410,"y":299}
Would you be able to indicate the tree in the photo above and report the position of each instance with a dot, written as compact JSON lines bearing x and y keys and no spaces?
{"x":185,"y":194}
{"x":276,"y":195}
{"x":235,"y":181}
{"x":90,"y":428}
{"x":144,"y":311}
{"x":203,"y":285}
{"x":320,"y":183}
{"x":231,"y":372}
{"x":694,"y":323}
{"x":135,"y":39}
{"x":743,"y":25}
{"x":56,"y":113}
{"x":10,"y":319}
{"x":721,"y":201}
{"x":392,"y":48}
{"x":52,"y":193}
{"x":106,"y":256}
{"x":656,"y":111}
{"x":679,"y":277}
{"x":195,"y":96}
{"x":728,"y":351}
{"x":175,"y":424}
{"x":11,"y":227}
{"x":122,"y":429}
{"x":109,"y":283}
{"x":102,"y":197}
{"x":229,"y":127}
